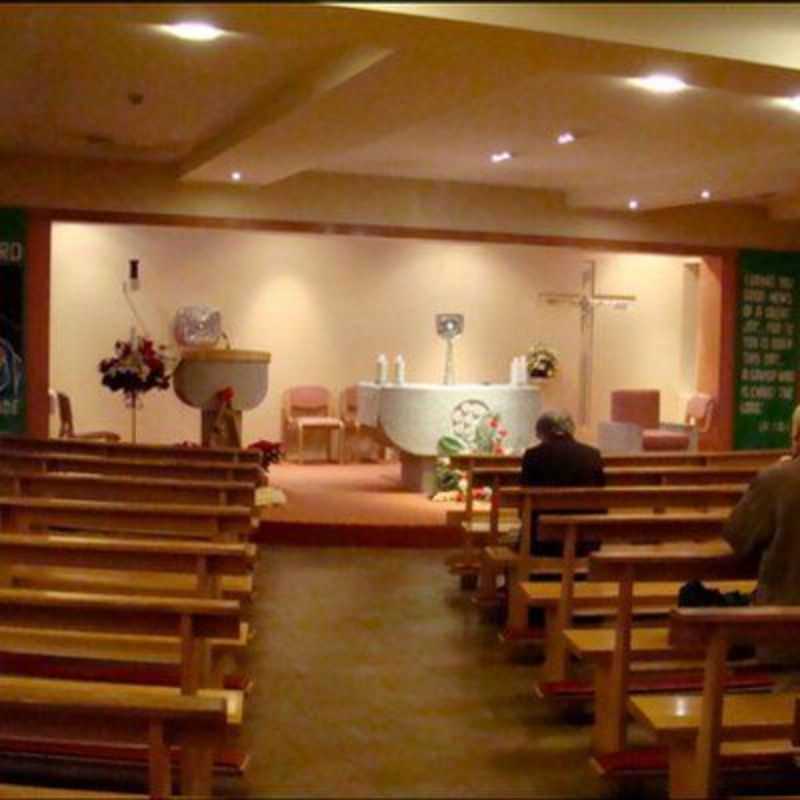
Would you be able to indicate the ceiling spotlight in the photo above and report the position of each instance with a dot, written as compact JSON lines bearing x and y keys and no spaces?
{"x":194,"y":31}
{"x":566,"y":138}
{"x":791,"y":102}
{"x":661,"y":83}
{"x":236,"y":176}
{"x":498,"y":157}
{"x":705,"y":194}
{"x":633,"y":205}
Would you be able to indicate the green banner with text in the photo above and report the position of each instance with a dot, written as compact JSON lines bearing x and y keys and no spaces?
{"x":13,"y":230}
{"x":766,"y":349}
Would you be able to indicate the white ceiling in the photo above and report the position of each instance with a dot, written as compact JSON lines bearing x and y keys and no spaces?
{"x":420,"y":91}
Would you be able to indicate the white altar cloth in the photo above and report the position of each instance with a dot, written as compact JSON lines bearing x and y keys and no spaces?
{"x":414,"y":416}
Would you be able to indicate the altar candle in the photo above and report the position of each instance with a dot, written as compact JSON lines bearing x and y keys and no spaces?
{"x":382,"y":369}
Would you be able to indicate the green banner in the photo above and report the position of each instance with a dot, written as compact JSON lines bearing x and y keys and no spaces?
{"x":13,"y":231}
{"x":766,"y":349}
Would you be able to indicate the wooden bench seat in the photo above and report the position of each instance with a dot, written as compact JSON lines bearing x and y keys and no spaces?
{"x":694,"y":727}
{"x":131,"y":450}
{"x":126,"y":658}
{"x":572,"y":531}
{"x":158,"y":467}
{"x":235,"y":587}
{"x":192,"y":620}
{"x":631,"y":566}
{"x":16,"y":791}
{"x":154,"y":716}
{"x":219,"y":523}
{"x":597,"y":598}
{"x":126,"y":488}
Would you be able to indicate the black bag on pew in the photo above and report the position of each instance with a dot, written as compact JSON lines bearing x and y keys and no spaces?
{"x":696,"y":595}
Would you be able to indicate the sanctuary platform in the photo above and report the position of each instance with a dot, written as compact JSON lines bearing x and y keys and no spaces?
{"x":354,"y":505}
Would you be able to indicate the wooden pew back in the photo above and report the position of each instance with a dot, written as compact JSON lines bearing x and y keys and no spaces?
{"x":193,"y":620}
{"x":159,"y":467}
{"x":221,"y":523}
{"x":126,"y":488}
{"x":129,"y":450}
{"x":208,"y":561}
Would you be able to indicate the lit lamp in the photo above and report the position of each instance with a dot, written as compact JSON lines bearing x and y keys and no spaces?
{"x":449,"y":327}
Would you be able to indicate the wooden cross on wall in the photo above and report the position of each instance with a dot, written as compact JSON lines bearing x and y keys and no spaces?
{"x":587,"y":301}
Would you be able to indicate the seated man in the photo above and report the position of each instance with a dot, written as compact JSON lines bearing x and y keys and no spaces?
{"x":559,"y":460}
{"x":765,"y":526}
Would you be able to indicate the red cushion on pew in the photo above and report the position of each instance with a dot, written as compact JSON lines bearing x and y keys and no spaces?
{"x":225,"y":759}
{"x":522,"y":634}
{"x":654,"y":759}
{"x":669,"y":682}
{"x":64,"y":668}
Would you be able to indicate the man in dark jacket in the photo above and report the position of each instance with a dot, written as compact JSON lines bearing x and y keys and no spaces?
{"x":559,"y":460}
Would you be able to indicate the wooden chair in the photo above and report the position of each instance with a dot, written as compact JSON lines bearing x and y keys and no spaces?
{"x":66,"y":428}
{"x":310,"y":408}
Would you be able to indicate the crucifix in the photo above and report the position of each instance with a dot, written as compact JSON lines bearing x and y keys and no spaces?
{"x":587,"y":301}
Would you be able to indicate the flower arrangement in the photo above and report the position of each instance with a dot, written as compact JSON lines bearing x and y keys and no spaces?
{"x":542,"y":361}
{"x":135,"y":368}
{"x":489,"y":436}
{"x":271,"y":452}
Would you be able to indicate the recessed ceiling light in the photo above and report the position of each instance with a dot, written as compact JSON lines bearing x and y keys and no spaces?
{"x":705,"y":194}
{"x":236,"y":176}
{"x":633,"y":204}
{"x":498,"y":157}
{"x":566,"y":138}
{"x":791,"y":102}
{"x":194,"y":31}
{"x":661,"y":83}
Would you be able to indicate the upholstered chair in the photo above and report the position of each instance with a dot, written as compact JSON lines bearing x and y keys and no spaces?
{"x":636,"y":424}
{"x":310,"y":408}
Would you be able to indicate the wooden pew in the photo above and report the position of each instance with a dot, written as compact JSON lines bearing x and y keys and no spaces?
{"x":159,"y":722}
{"x":611,"y":652}
{"x":70,"y":561}
{"x":193,"y":620}
{"x":696,"y":728}
{"x":220,"y":523}
{"x":125,"y":488}
{"x":129,"y":450}
{"x":562,"y":599}
{"x":470,"y":462}
{"x":658,"y":498}
{"x":526,"y":500}
{"x":468,"y":562}
{"x":87,"y":464}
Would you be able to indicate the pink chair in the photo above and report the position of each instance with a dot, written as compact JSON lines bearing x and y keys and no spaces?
{"x":310,"y":408}
{"x":636,"y":423}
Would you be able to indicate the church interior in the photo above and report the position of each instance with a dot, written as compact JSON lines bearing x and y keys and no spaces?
{"x":292,"y":295}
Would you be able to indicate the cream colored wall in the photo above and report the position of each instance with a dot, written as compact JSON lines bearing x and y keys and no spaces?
{"x":324,"y":306}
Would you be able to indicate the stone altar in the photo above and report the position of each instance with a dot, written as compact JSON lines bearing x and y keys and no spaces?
{"x":413,"y":416}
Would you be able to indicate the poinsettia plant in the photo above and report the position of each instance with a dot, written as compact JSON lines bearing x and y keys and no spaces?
{"x":136,"y":367}
{"x":271,"y":452}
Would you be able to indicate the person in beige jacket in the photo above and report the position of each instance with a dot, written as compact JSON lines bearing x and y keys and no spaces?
{"x":765,"y":527}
